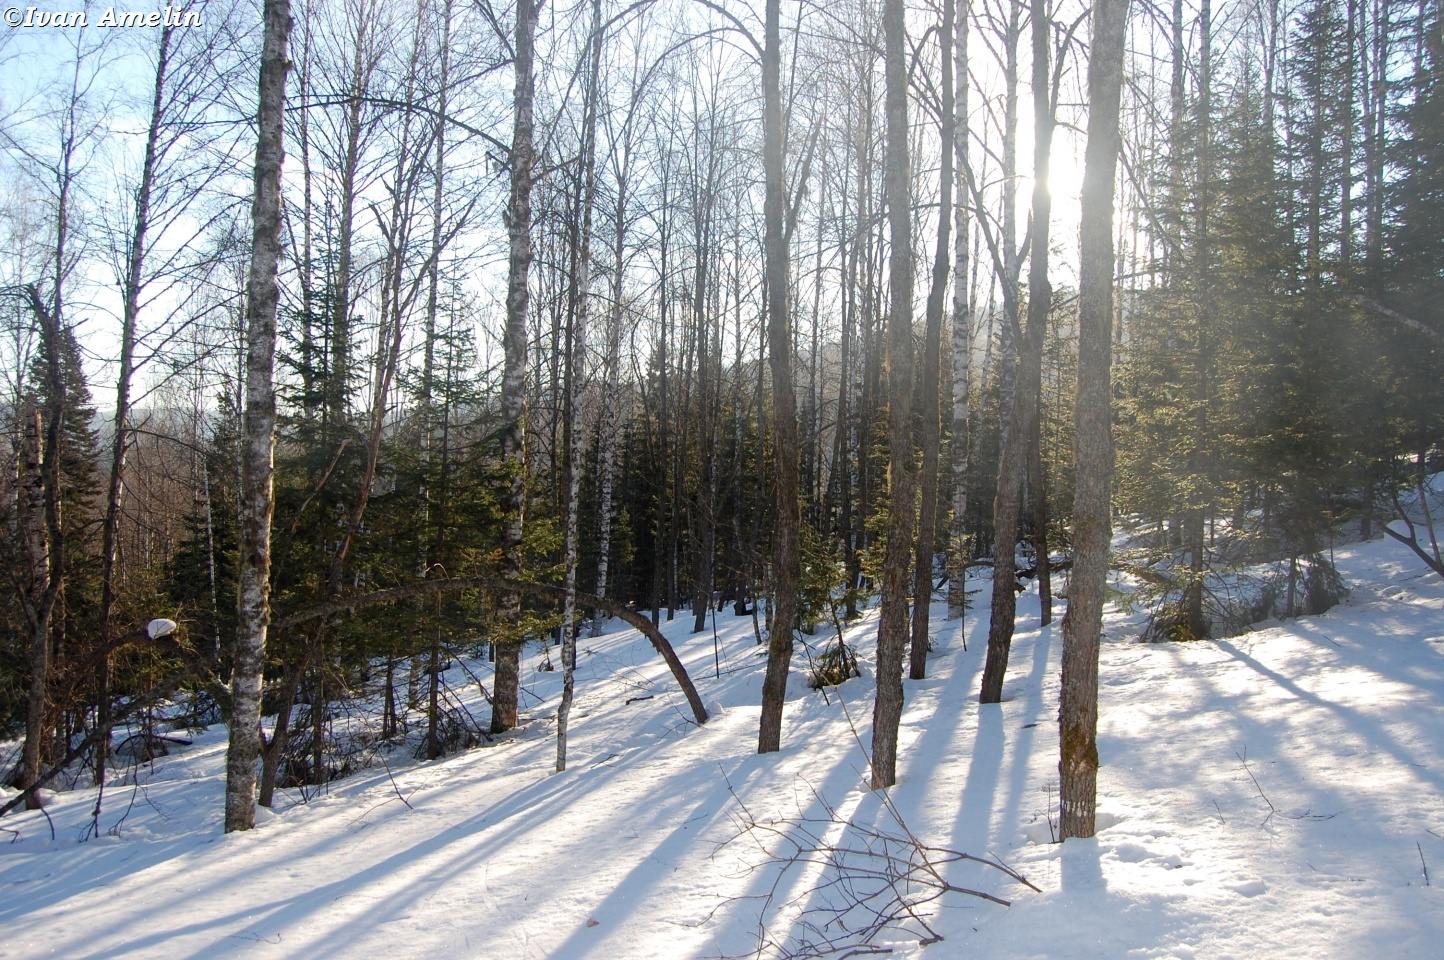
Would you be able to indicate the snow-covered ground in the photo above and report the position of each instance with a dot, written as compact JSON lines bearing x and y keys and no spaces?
{"x":1276,"y":794}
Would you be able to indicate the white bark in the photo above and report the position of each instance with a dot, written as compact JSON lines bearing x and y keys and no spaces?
{"x":577,"y":376}
{"x":962,"y":335}
{"x":258,"y":434}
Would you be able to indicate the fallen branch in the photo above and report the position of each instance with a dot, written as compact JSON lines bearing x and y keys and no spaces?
{"x":1274,"y":811}
{"x":872,"y":880}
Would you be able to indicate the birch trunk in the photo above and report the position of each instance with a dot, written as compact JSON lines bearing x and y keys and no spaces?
{"x":258,"y":434}
{"x":610,"y":374}
{"x":962,"y":339}
{"x":513,"y":386}
{"x":576,"y":376}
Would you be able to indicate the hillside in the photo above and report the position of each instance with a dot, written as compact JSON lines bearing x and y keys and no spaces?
{"x":1276,"y":794}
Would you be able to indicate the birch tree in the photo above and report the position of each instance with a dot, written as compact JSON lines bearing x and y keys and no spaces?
{"x":513,"y":385}
{"x":257,"y":501}
{"x":576,"y":378}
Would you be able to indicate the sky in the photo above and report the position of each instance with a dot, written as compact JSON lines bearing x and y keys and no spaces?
{"x":37,"y":67}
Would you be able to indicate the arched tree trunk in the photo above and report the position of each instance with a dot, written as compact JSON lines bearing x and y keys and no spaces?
{"x":500,"y":585}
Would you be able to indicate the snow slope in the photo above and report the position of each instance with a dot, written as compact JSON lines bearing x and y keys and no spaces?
{"x":1272,"y":795}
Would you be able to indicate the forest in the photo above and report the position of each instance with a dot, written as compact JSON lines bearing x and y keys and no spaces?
{"x":364,"y":367}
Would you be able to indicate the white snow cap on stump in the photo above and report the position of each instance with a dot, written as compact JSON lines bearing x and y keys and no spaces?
{"x":160,"y":628}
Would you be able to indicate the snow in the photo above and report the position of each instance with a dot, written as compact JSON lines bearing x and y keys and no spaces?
{"x":160,"y":627}
{"x":1273,"y":794}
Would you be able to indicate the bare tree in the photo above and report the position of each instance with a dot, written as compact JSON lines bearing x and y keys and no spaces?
{"x":932,"y":360}
{"x":257,"y":498}
{"x":787,"y":559}
{"x":513,"y":384}
{"x":1078,"y":710}
{"x":1040,"y":296}
{"x":576,"y":378}
{"x":962,"y":339}
{"x":892,"y":630}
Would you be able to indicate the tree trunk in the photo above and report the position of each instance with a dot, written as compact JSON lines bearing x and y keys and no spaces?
{"x":1078,"y":711}
{"x":115,"y":488}
{"x":433,"y":526}
{"x":1200,"y":459}
{"x":513,"y":386}
{"x":932,"y":363}
{"x":610,"y":377}
{"x":576,"y":378}
{"x":704,"y":536}
{"x":1007,"y":504}
{"x":892,"y":631}
{"x":257,"y":500}
{"x":30,"y":505}
{"x":787,"y":567}
{"x":962,"y":339}
{"x":275,"y":748}
{"x":1040,"y":300}
{"x":1006,"y":262}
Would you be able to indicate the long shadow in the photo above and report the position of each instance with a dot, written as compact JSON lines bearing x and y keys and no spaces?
{"x":1081,"y":869}
{"x":949,"y":720}
{"x":498,"y":821}
{"x":545,"y":792}
{"x":529,"y":797}
{"x":100,"y":862}
{"x":748,"y":910}
{"x":128,"y":859}
{"x":1019,"y":758}
{"x":631,"y":892}
{"x":1357,"y":811}
{"x":1371,"y":729}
